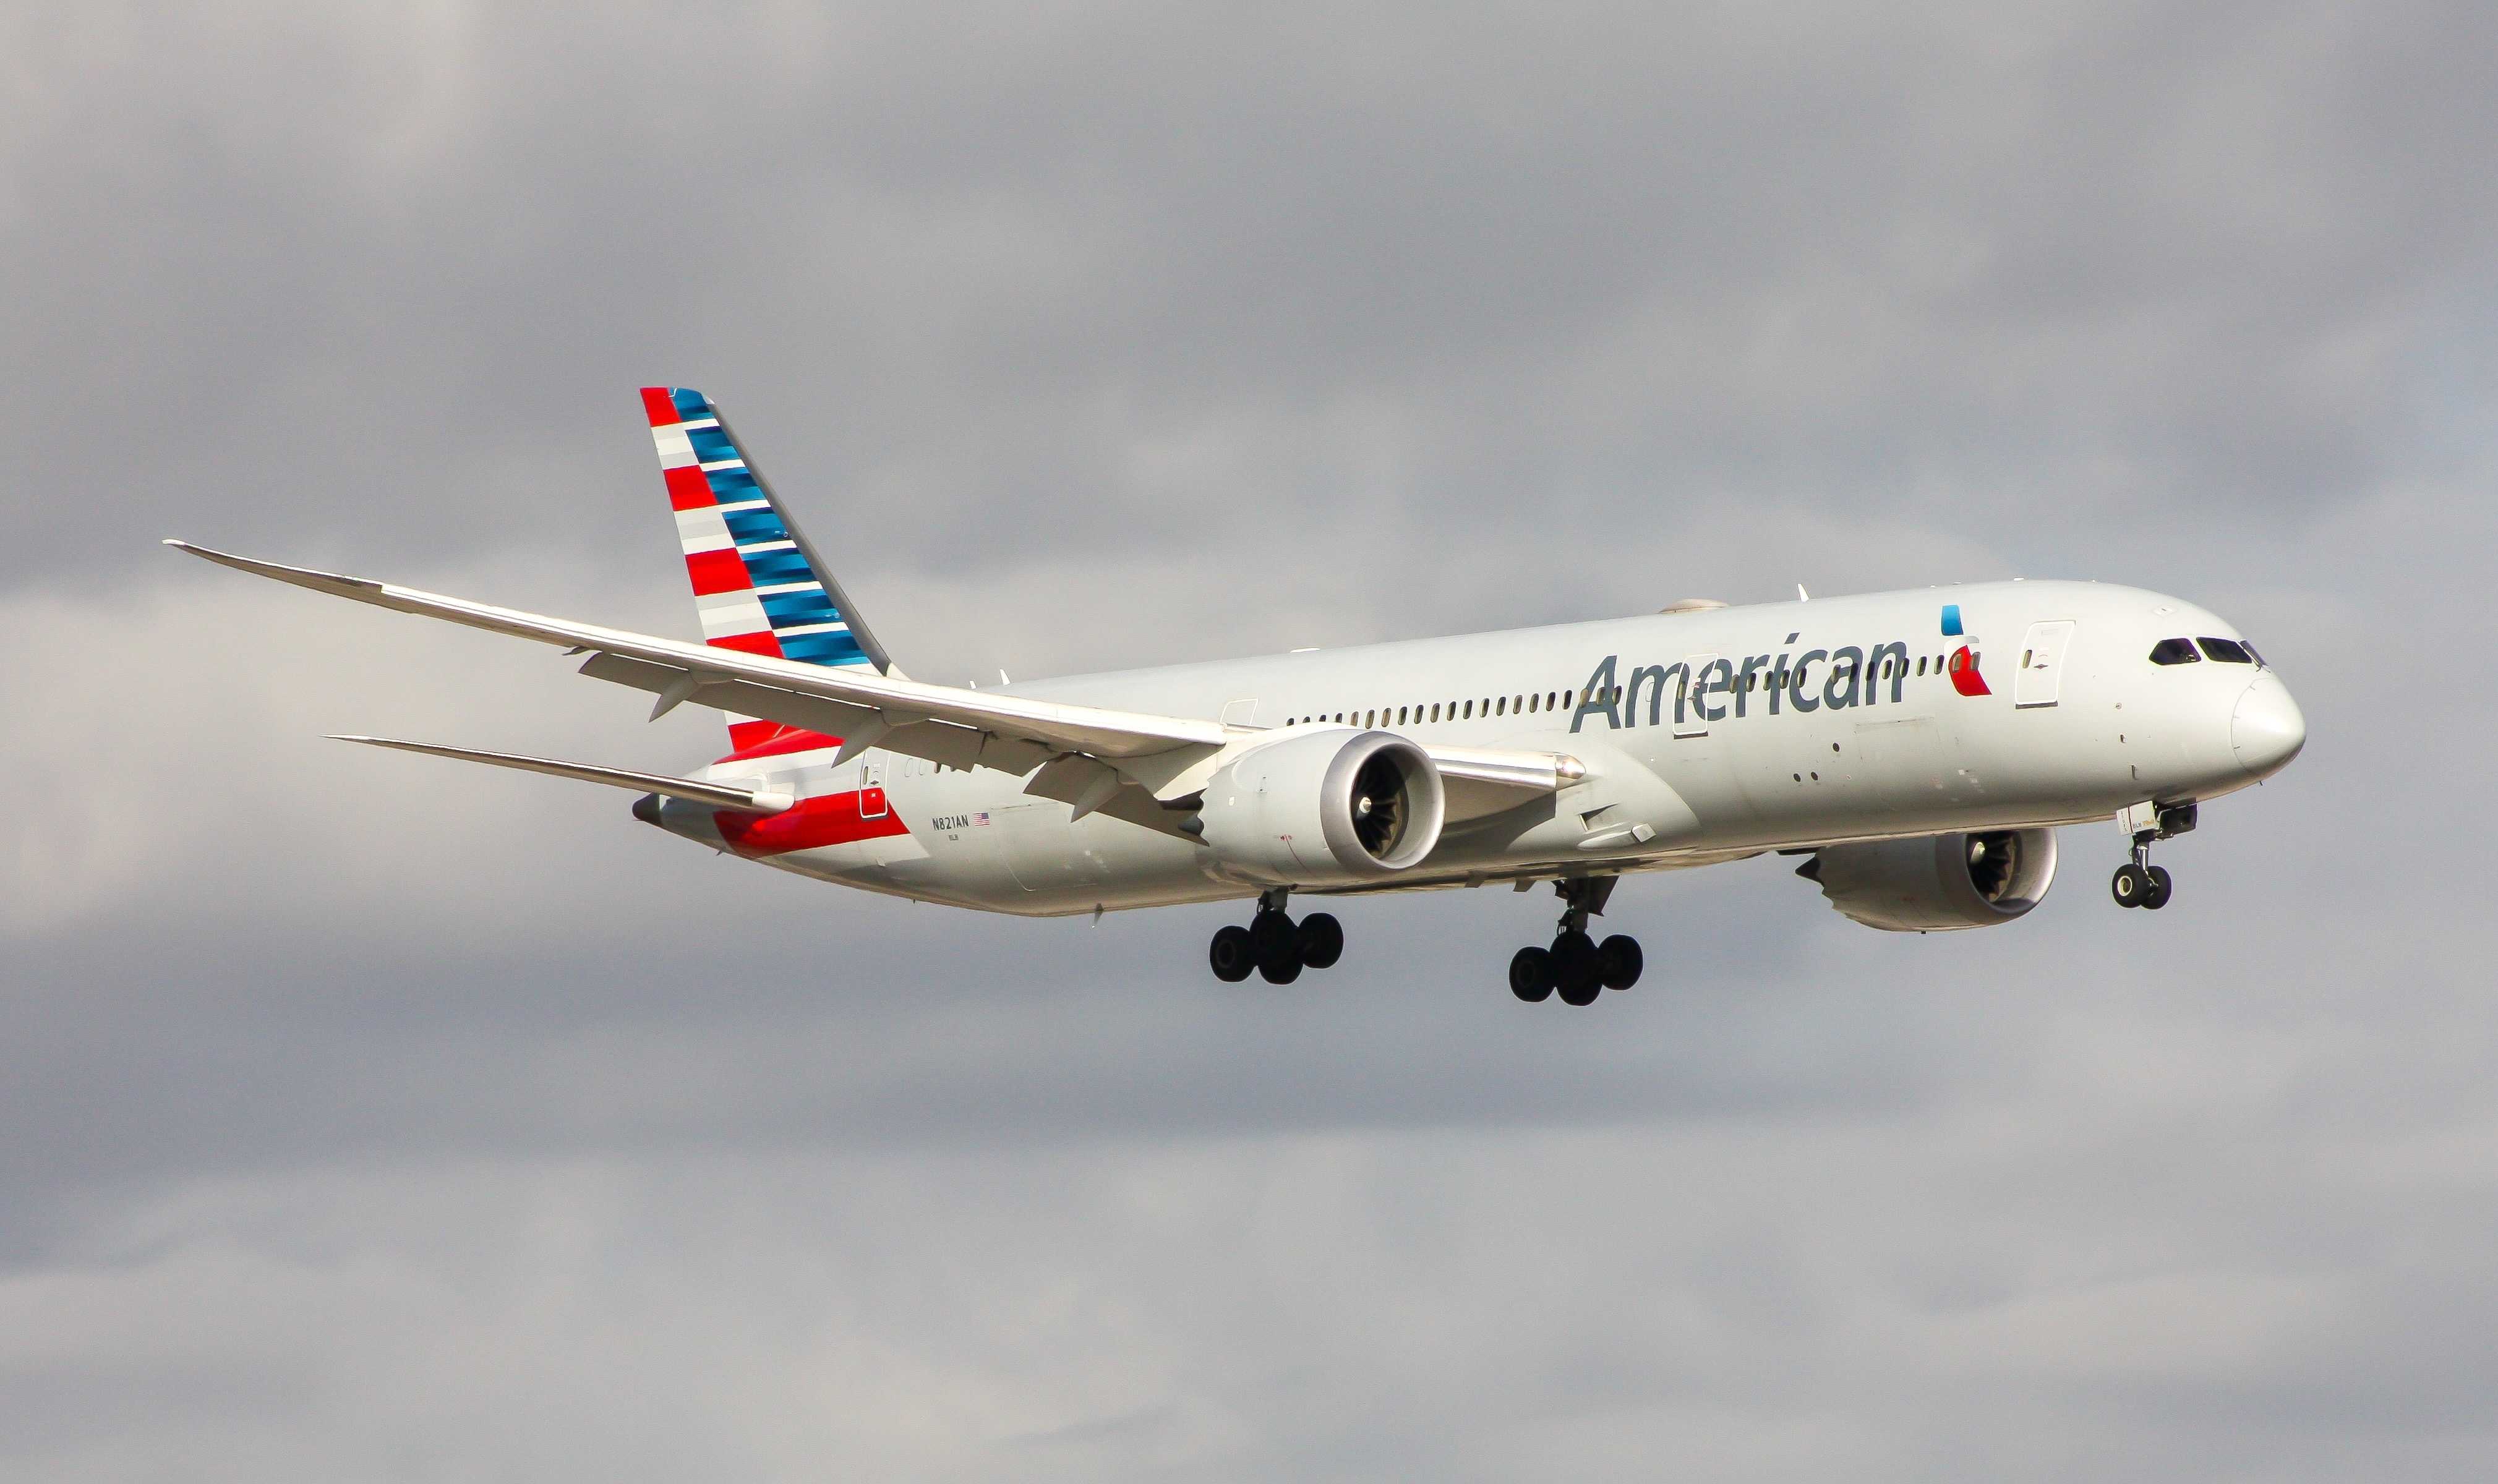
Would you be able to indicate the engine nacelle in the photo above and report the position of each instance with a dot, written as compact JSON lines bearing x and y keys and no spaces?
{"x":1937,"y":883}
{"x":1332,"y":807}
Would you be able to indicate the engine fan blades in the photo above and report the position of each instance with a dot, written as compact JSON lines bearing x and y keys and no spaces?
{"x":1379,"y":806}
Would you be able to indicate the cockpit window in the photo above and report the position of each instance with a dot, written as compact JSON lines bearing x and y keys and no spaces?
{"x":2229,"y":651}
{"x":2174,"y":651}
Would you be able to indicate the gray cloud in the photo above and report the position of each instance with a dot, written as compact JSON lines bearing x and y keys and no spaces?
{"x":371,"y":1119}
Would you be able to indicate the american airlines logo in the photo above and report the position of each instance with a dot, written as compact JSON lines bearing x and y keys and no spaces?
{"x":1713,"y":687}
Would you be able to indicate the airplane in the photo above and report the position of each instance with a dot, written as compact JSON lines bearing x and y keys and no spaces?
{"x":1919,"y":749}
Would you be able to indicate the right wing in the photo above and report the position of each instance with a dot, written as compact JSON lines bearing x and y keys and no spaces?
{"x":1168,"y":757}
{"x":862,"y":708}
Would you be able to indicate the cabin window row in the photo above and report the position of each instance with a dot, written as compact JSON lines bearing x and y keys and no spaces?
{"x":1532,"y":704}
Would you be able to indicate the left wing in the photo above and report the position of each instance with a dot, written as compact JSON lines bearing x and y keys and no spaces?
{"x":1169,"y":757}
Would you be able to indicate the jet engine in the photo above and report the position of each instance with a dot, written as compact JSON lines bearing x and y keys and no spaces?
{"x":1937,"y":883}
{"x":1327,"y":808}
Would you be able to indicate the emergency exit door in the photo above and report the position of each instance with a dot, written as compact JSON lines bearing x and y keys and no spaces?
{"x":2042,"y":663}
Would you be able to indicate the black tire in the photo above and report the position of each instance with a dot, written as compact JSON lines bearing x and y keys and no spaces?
{"x":1618,"y":961}
{"x":1530,"y":976}
{"x":1575,"y":969}
{"x":2157,"y":896}
{"x":2130,"y":884}
{"x":1322,"y":940}
{"x":1284,"y":972}
{"x":1272,"y":939}
{"x":1230,"y":956}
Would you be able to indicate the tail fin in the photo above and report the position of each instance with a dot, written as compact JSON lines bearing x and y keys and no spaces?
{"x":758,"y":585}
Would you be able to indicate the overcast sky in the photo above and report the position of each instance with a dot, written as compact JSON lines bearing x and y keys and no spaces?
{"x":371,"y":1118}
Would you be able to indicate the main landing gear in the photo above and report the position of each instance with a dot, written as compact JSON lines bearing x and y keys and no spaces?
{"x":1274,"y":946}
{"x":2138,"y":882}
{"x":1576,"y":965}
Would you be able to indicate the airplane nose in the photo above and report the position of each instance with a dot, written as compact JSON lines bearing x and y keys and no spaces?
{"x":2267,"y":729}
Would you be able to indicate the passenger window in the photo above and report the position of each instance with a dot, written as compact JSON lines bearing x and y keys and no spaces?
{"x":2173,"y":651}
{"x":2228,"y":651}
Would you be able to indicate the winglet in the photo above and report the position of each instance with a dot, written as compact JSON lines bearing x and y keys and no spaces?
{"x":301,"y":576}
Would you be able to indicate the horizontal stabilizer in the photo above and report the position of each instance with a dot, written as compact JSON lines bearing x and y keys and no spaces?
{"x":713,"y":795}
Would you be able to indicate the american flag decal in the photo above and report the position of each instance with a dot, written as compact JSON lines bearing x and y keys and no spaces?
{"x":980,"y":816}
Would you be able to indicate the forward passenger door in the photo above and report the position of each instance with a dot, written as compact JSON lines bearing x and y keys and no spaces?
{"x":2041,"y":677}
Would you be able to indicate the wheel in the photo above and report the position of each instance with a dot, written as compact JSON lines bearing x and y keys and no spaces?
{"x":2130,"y":885}
{"x":1576,"y":968}
{"x":1272,"y":939}
{"x":1322,"y":940}
{"x":1530,"y":976}
{"x":1618,"y":961}
{"x":1230,"y":955}
{"x":2157,"y":896}
{"x":1283,"y":972}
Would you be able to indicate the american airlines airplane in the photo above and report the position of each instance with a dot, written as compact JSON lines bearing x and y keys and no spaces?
{"x":1918,"y":750}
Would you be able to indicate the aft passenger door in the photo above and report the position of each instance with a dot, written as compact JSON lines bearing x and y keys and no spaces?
{"x":2041,"y":677}
{"x":872,"y":803}
{"x":1691,"y":695}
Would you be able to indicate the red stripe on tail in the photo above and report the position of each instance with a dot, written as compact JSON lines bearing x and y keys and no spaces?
{"x":762,"y":644}
{"x":688,"y":487}
{"x":720,"y":571}
{"x":770,"y":739}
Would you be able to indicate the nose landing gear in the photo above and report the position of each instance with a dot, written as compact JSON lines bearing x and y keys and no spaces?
{"x":2138,"y":882}
{"x":1576,"y":965}
{"x":1275,"y":947}
{"x":2137,"y":885}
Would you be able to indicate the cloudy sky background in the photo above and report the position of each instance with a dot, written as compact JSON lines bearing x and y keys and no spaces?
{"x":368,"y":1117}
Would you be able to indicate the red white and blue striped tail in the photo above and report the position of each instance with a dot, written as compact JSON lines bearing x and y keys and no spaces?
{"x":758,"y":585}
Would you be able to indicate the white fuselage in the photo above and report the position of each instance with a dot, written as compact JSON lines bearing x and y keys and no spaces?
{"x":1687,"y":759}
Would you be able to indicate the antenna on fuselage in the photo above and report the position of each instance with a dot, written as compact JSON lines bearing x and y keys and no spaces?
{"x":1802,"y":596}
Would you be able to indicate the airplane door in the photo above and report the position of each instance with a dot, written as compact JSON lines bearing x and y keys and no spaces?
{"x":2042,"y":663}
{"x":1688,"y":698}
{"x":872,"y":801}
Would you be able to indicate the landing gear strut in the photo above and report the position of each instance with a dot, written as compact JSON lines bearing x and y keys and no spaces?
{"x":2138,"y":882}
{"x":1274,"y":946}
{"x":1576,"y":965}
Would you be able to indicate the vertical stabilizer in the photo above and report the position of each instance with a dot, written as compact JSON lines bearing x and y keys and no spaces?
{"x":758,"y":585}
